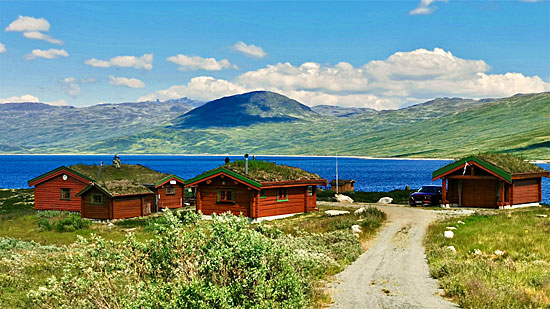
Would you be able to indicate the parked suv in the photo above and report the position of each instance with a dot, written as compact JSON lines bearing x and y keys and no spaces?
{"x":427,"y":195}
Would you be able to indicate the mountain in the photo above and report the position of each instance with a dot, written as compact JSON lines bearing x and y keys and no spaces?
{"x":39,"y":127}
{"x":337,"y":111}
{"x":443,"y":127}
{"x":244,"y":110}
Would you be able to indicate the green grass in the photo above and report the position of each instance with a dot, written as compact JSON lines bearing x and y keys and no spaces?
{"x":518,"y":279}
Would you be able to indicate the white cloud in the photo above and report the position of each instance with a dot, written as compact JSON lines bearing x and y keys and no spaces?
{"x":424,"y":7}
{"x":128,"y":82}
{"x":61,"y":102}
{"x":27,"y":23}
{"x":2,"y":48}
{"x":71,"y":85}
{"x":143,"y":62}
{"x":47,"y":54}
{"x":21,"y":99}
{"x":190,"y":63}
{"x":402,"y":78}
{"x":251,"y":50}
{"x":35,"y":35}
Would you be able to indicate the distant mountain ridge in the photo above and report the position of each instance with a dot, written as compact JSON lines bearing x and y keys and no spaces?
{"x":338,"y":111}
{"x":244,"y":110}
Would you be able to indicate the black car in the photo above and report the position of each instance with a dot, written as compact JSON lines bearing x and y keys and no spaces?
{"x":427,"y":195}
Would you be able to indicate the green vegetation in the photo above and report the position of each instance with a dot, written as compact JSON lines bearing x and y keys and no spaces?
{"x":510,"y":163}
{"x":269,"y":171}
{"x":137,"y":172}
{"x":477,"y":277}
{"x":174,"y":259}
{"x":398,"y":196}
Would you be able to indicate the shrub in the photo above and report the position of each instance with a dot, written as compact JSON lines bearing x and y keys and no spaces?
{"x":44,"y":224}
{"x":48,"y":214}
{"x":71,"y":223}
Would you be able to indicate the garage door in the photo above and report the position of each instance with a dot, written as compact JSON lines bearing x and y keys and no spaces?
{"x":479,"y":193}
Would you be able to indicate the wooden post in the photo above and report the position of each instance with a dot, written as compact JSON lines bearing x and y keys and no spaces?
{"x":501,"y":200}
{"x":444,"y":192}
{"x":198,"y":199}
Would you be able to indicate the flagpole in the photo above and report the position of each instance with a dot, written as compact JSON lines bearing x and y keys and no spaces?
{"x":336,"y":173}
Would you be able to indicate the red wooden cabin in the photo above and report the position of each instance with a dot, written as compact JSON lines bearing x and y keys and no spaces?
{"x":491,"y":181}
{"x":267,"y":190}
{"x":63,"y":189}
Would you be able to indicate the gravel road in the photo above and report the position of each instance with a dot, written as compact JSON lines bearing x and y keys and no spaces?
{"x":393,"y":272}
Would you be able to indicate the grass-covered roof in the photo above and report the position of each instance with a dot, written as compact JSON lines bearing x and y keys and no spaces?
{"x":136,"y":173}
{"x":510,"y":163}
{"x":262,"y":171}
{"x":123,"y":187}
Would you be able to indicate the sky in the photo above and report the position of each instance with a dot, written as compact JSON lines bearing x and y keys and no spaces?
{"x":377,"y":54}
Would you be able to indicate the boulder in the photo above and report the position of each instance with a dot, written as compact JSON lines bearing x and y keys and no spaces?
{"x":449,"y":234}
{"x":356,"y":228}
{"x":452,"y":248}
{"x":452,"y":228}
{"x":333,"y":213}
{"x":460,"y":222}
{"x":477,"y":252}
{"x":385,"y":200}
{"x":343,"y":198}
{"x":360,"y":211}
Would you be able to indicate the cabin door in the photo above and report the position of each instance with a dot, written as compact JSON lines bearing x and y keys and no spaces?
{"x":479,"y":193}
{"x":146,"y":208}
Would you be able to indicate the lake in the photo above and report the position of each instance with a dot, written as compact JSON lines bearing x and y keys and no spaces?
{"x":369,"y":174}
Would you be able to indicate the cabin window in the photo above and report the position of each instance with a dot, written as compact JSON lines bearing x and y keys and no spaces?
{"x":226,"y":196}
{"x":310,"y":190}
{"x":263,"y":194}
{"x":97,"y":199}
{"x":170,"y":190}
{"x":65,"y":194}
{"x":282,"y":195}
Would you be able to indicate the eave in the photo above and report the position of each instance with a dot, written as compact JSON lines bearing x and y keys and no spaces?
{"x":167,"y":179}
{"x":58,"y":171}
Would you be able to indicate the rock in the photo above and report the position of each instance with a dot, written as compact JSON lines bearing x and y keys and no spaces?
{"x":333,"y":213}
{"x":343,"y":198}
{"x":542,"y":216}
{"x":356,"y":228}
{"x":477,"y":252}
{"x":360,"y":211}
{"x":499,"y":252}
{"x":452,"y":228}
{"x":110,"y":224}
{"x":449,"y":234}
{"x":385,"y":200}
{"x":460,"y":222}
{"x":452,"y":248}
{"x":130,"y":230}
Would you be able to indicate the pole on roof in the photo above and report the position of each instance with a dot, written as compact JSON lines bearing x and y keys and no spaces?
{"x":99,"y":171}
{"x":246,"y":163}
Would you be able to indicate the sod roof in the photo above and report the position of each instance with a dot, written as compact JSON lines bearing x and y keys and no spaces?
{"x":136,"y":173}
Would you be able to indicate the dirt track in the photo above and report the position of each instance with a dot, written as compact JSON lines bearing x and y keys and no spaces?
{"x":393,"y":272}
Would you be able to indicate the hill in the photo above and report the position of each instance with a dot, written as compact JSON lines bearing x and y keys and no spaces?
{"x":337,"y":111}
{"x":445,"y":128}
{"x":244,"y":110}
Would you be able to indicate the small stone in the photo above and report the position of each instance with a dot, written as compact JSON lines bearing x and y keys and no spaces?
{"x":356,"y":228}
{"x":110,"y":224}
{"x":451,"y":228}
{"x":360,"y":211}
{"x":449,"y":234}
{"x":452,"y":248}
{"x":499,"y":252}
{"x":477,"y":252}
{"x":333,"y":213}
{"x":460,"y":222}
{"x":542,"y":216}
{"x":385,"y":200}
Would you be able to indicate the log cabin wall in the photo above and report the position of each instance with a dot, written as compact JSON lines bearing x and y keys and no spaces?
{"x":128,"y":207}
{"x":452,"y":191}
{"x":47,"y":195}
{"x":94,"y":210}
{"x":297,"y":202}
{"x":170,"y":200}
{"x":208,"y":197}
{"x":526,"y":191}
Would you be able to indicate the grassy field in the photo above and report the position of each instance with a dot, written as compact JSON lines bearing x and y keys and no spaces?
{"x":40,"y":249}
{"x":477,"y":275}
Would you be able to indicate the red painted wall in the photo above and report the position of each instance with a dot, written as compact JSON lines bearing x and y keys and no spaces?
{"x":298,"y":201}
{"x":170,"y":201}
{"x":208,"y":194}
{"x":94,"y":211}
{"x":47,"y":195}
{"x":526,"y":191}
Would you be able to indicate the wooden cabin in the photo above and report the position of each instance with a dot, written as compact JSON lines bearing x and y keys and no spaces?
{"x":491,"y":181}
{"x":267,"y":190}
{"x":343,"y":185}
{"x":63,"y":187}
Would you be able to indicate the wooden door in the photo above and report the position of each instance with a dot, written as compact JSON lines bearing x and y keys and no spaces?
{"x":479,"y":193}
{"x":146,"y":208}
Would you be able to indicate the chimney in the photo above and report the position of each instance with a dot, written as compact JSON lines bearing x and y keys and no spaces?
{"x":246,"y":163}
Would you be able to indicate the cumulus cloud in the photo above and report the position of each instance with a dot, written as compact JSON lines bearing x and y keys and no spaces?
{"x":35,"y":35}
{"x":21,"y":99}
{"x":190,"y":63}
{"x":401,"y":79}
{"x":128,"y":82}
{"x":143,"y":62}
{"x":71,"y":85}
{"x":250,"y":50}
{"x":424,"y":7}
{"x":2,"y":48}
{"x":27,"y":23}
{"x":46,"y":54}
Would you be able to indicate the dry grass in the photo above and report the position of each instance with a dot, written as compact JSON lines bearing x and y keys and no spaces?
{"x":268,"y":171}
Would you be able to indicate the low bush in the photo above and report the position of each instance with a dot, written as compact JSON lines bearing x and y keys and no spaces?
{"x":72,"y":223}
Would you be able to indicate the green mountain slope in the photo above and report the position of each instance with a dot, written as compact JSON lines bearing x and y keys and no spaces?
{"x":442,"y":128}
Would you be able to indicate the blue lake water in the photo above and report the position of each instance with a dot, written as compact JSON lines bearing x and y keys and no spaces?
{"x":369,"y":174}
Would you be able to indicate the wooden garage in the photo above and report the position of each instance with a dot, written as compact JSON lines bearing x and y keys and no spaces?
{"x":265,"y":189}
{"x":491,"y":181}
